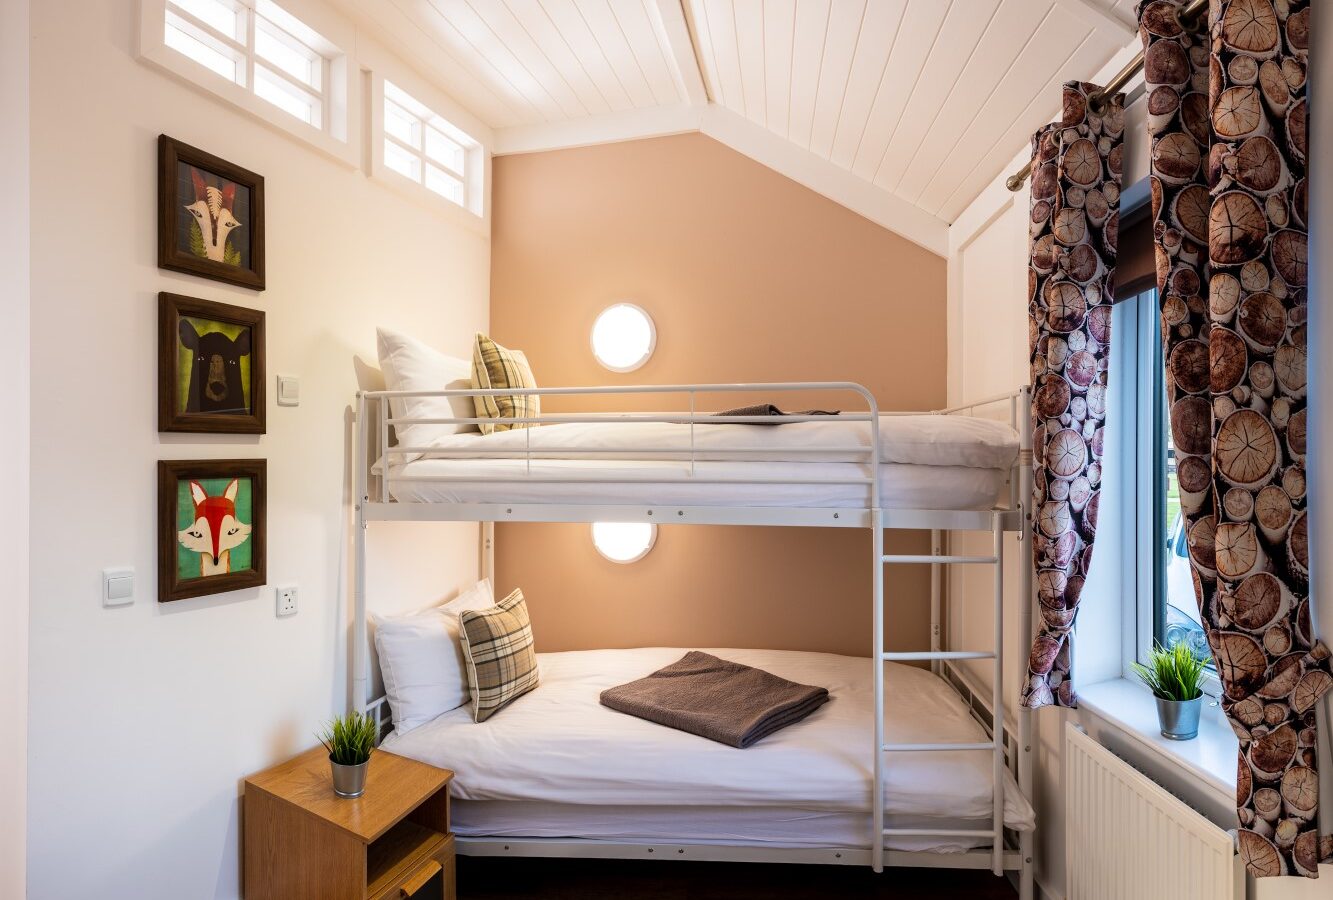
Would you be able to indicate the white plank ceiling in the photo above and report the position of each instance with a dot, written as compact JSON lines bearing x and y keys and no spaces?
{"x":925,"y":100}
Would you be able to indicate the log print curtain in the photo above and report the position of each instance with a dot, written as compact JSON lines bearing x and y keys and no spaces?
{"x":1227,"y":118}
{"x":1074,"y":229}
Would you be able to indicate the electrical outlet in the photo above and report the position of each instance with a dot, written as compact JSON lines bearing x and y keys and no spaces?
{"x":286,"y":600}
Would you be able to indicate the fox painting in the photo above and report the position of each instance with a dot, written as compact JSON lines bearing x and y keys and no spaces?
{"x":216,"y":528}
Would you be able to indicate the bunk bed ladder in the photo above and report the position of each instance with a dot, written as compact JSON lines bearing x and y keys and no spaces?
{"x":936,"y":657}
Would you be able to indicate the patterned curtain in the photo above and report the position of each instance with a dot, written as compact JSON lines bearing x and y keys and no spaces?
{"x":1074,"y":228}
{"x":1227,"y":117}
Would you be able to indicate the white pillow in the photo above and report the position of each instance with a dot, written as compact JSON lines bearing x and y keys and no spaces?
{"x":421,"y":658}
{"x":409,"y":365}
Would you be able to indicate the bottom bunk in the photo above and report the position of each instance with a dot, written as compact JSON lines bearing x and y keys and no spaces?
{"x":558,"y":767}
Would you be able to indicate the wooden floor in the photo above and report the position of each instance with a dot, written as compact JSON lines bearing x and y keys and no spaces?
{"x":578,"y":879}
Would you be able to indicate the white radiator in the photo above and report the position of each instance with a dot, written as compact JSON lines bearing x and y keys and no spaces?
{"x":1127,"y":838}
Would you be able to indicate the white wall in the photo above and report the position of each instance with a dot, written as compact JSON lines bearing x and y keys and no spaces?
{"x":988,"y":351}
{"x":14,"y":450}
{"x":144,"y":719}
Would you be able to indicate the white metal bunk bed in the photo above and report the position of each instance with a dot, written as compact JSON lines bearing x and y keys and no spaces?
{"x":1008,"y":851}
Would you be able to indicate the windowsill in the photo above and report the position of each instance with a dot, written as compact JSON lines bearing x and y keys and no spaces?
{"x":1210,"y":758}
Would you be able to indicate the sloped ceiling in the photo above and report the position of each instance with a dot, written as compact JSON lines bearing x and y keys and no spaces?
{"x":903,"y":109}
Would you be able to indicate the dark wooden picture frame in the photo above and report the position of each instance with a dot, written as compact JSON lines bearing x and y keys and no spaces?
{"x":211,"y":510}
{"x":202,"y":398}
{"x":230,"y":187}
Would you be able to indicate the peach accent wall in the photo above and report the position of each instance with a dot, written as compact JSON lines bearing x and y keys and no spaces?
{"x":748,"y":277}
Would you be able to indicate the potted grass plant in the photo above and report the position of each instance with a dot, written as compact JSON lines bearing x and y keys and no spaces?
{"x":350,"y":740}
{"x":1175,"y":677}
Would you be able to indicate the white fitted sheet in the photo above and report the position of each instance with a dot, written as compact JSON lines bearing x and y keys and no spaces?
{"x":902,"y":486}
{"x":929,"y":440}
{"x":748,"y":826}
{"x":559,"y":745}
{"x":927,"y":462}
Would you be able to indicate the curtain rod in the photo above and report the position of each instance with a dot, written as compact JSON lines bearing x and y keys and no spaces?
{"x":1114,"y":86}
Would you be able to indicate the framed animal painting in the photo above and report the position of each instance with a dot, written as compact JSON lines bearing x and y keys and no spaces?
{"x":211,"y":535}
{"x":210,"y":366}
{"x":211,"y":216}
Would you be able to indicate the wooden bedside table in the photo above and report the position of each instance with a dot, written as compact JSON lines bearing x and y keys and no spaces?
{"x":302,"y":842}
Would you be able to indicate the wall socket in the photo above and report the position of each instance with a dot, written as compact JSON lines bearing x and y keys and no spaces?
{"x":286,"y":600}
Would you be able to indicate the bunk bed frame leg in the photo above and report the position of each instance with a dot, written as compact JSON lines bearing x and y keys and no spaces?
{"x":997,"y":701}
{"x":1023,"y":424}
{"x":936,"y":593}
{"x":877,"y":588}
{"x":488,"y":552}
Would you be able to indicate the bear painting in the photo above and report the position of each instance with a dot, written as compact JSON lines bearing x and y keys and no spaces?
{"x":216,"y":372}
{"x":210,"y":367}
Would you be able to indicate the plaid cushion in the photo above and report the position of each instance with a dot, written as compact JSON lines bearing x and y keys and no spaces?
{"x":495,"y":367}
{"x":501,"y":664}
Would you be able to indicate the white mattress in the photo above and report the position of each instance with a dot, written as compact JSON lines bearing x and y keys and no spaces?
{"x":748,"y":826}
{"x":558,"y":745}
{"x":670,"y":483}
{"x":927,"y":462}
{"x":928,"y":440}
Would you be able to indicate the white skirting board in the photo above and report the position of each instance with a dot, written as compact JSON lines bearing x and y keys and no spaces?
{"x":1127,"y":837}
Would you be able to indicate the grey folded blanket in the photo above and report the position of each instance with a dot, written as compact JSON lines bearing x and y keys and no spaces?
{"x":717,"y":699}
{"x":768,"y":409}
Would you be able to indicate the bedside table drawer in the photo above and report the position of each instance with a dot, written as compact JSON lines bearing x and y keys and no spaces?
{"x":432,"y":878}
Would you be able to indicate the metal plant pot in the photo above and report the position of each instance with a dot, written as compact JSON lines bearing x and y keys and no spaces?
{"x":1179,"y":718}
{"x":350,"y":781}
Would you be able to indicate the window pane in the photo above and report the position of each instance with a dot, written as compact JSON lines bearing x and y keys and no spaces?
{"x":182,"y":41}
{"x":286,"y":97}
{"x":401,"y":161}
{"x":401,"y":124}
{"x":444,"y":150}
{"x":444,"y":184}
{"x":424,"y":146}
{"x":282,"y":50}
{"x":1178,"y":614}
{"x":216,"y":14}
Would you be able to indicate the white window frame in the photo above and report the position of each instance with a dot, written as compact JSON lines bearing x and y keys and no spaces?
{"x":473,"y":135}
{"x":313,"y":25}
{"x":1136,"y":352}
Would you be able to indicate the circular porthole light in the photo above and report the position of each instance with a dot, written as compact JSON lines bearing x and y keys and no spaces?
{"x":623,"y":337}
{"x":624,"y":542}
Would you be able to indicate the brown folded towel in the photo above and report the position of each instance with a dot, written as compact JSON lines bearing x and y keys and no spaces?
{"x":717,"y":699}
{"x":768,"y":409}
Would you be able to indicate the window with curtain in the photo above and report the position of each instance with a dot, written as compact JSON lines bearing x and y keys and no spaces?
{"x":1157,"y":565}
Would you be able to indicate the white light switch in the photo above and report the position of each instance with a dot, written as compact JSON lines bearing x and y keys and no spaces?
{"x":289,"y":390}
{"x":118,"y":586}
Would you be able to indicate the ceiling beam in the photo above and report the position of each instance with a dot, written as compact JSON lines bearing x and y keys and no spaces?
{"x":630,"y":125}
{"x":880,"y":206}
{"x":1114,"y":26}
{"x":674,"y":31}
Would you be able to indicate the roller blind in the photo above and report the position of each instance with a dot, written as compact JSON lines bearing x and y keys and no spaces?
{"x":1135,"y":269}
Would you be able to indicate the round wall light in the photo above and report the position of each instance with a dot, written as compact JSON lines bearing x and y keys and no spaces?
{"x":624,"y":542}
{"x":623,"y":337}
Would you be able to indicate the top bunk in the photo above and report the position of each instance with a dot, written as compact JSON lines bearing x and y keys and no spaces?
{"x":951,"y":469}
